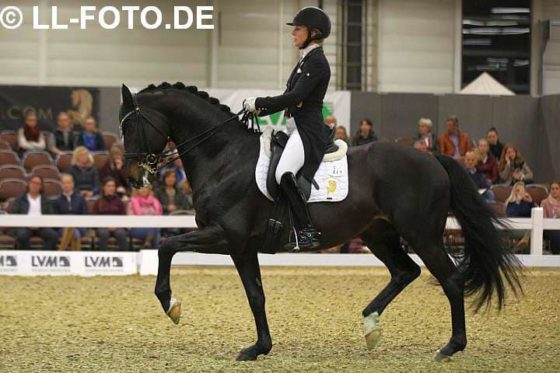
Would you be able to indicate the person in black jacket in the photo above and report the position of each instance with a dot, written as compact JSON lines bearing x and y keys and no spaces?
{"x":302,"y":101}
{"x":64,"y":136}
{"x":33,"y":203}
{"x":70,"y":202}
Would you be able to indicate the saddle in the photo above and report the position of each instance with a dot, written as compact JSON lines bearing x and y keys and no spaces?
{"x":278,"y":140}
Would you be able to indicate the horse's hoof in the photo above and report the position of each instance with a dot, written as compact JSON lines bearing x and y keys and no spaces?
{"x":174,"y":311}
{"x":441,"y":357}
{"x":246,"y":355}
{"x":372,"y":330}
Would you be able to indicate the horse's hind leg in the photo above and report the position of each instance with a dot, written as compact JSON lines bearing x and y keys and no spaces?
{"x":444,"y":270}
{"x":384,"y":242}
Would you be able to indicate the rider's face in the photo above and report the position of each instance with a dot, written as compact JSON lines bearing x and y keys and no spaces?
{"x":299,"y":36}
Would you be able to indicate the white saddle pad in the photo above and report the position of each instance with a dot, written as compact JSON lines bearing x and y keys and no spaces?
{"x":332,"y":175}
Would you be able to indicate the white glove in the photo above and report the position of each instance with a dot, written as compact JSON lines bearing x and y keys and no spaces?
{"x":249,"y":105}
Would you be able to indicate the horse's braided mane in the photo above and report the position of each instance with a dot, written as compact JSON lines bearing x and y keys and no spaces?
{"x":190,"y":89}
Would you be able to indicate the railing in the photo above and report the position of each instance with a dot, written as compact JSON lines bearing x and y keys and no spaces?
{"x":147,"y":259}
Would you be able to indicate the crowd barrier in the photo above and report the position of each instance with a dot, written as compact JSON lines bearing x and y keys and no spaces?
{"x":88,"y":263}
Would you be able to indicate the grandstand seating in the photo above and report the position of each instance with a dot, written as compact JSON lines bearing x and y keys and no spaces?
{"x":36,"y":158}
{"x":12,"y":188}
{"x":10,"y":137}
{"x":501,"y":192}
{"x":4,"y":145}
{"x":64,"y":161}
{"x":109,"y":138}
{"x":52,"y":188}
{"x":12,"y":171}
{"x":537,"y":192}
{"x":9,"y":157}
{"x":100,"y":159}
{"x":46,"y":172}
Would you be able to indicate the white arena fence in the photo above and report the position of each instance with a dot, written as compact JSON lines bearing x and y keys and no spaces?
{"x":90,"y":263}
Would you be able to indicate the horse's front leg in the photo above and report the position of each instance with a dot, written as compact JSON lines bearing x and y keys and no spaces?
{"x":248,"y":268}
{"x":208,"y":240}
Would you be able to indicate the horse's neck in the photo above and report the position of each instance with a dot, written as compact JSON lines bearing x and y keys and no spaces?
{"x":217,"y":156}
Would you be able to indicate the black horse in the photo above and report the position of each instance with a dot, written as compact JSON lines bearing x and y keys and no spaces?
{"x":395,"y":192}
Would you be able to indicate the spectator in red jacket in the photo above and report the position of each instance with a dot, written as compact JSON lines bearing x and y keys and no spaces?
{"x":110,"y":204}
{"x":487,"y":162}
{"x":453,"y":142}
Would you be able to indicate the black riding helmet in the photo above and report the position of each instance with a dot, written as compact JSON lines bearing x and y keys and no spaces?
{"x":312,"y":18}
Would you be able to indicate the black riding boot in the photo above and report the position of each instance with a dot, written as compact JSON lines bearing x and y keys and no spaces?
{"x":307,"y":235}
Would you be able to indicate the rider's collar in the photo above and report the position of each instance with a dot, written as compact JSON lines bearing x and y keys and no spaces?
{"x":303,"y":52}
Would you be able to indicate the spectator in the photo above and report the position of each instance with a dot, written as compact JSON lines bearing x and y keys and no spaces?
{"x":478,"y":177}
{"x":177,"y":167}
{"x":34,"y":203}
{"x":84,"y":173}
{"x":453,"y":142}
{"x":64,"y":136}
{"x":341,"y":134}
{"x":144,"y":203}
{"x":519,"y":202}
{"x":115,"y":168}
{"x":70,"y":203}
{"x":365,"y":134}
{"x":496,"y":146}
{"x":330,"y":121}
{"x":426,"y":135}
{"x":421,"y":145}
{"x":513,"y":168}
{"x":110,"y":204}
{"x":171,"y":197}
{"x":488,"y":164}
{"x":90,"y":136}
{"x":30,"y":136}
{"x":551,"y":207}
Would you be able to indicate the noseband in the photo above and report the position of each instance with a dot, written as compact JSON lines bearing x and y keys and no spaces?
{"x":149,"y":160}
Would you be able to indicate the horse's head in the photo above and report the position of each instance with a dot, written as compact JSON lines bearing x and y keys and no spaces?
{"x":145,"y":134}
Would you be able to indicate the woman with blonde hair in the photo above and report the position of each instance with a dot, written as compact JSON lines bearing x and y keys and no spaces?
{"x":84,"y":172}
{"x":519,"y":202}
{"x":513,"y":168}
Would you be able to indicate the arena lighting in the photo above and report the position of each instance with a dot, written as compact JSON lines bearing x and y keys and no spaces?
{"x":503,"y":23}
{"x":505,"y":10}
{"x":483,"y":42}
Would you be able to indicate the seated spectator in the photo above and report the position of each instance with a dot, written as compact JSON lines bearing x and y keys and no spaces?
{"x":144,"y":203}
{"x":110,"y":204}
{"x":426,"y":135}
{"x":421,"y":145}
{"x":513,"y":168}
{"x":30,"y":136}
{"x":90,"y":136}
{"x":454,"y":142}
{"x":34,"y":203}
{"x":64,"y":137}
{"x":171,"y":197}
{"x":478,"y":177}
{"x":365,"y":134}
{"x":70,"y":203}
{"x":115,"y":168}
{"x":84,"y":172}
{"x":341,"y":134}
{"x":487,"y":163}
{"x":179,"y":170}
{"x":519,"y":202}
{"x":551,"y":207}
{"x":496,"y":147}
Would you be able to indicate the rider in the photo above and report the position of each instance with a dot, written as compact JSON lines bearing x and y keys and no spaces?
{"x":302,"y":101}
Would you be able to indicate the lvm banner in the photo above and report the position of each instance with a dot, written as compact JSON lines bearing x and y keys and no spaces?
{"x":60,"y":263}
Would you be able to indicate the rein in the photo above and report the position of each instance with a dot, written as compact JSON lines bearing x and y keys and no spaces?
{"x":149,"y":161}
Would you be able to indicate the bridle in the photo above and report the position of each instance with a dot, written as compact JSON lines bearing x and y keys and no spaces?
{"x":149,"y":160}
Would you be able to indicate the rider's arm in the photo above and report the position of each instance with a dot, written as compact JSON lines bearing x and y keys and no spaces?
{"x":312,"y":73}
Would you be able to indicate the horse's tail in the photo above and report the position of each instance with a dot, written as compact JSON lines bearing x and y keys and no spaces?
{"x":486,"y":264}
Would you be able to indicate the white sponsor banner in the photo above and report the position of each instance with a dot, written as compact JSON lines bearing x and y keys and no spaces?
{"x":60,"y":263}
{"x":336,"y":103}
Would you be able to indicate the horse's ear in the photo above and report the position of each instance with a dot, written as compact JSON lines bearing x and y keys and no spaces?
{"x":127,"y":99}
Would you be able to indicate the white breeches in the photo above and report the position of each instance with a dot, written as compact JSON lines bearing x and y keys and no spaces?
{"x":292,"y":158}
